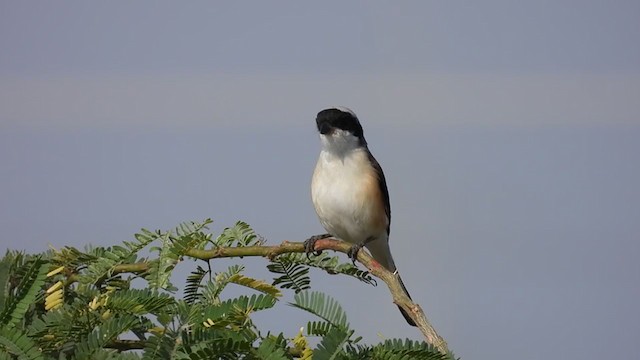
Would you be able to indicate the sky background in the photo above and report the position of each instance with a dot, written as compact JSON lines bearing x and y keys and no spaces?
{"x":509,"y":133}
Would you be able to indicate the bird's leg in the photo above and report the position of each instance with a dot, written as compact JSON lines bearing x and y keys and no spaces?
{"x":310,"y":243}
{"x":353,"y":251}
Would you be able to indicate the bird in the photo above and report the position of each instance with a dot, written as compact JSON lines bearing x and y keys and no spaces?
{"x":349,"y":191}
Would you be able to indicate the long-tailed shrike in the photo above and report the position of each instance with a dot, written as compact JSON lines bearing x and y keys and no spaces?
{"x":349,"y":191}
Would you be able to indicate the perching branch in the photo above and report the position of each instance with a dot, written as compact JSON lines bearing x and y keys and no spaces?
{"x":391,"y":279}
{"x":393,"y":283}
{"x":125,"y":345}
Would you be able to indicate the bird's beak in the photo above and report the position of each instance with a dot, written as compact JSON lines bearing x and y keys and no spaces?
{"x":325,"y":129}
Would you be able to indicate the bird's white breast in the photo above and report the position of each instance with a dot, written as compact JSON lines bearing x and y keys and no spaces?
{"x":346,"y":196}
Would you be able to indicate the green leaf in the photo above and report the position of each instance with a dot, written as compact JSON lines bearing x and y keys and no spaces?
{"x":322,"y":306}
{"x":192,"y":227}
{"x":294,"y":271}
{"x":398,"y":349}
{"x":294,"y":276}
{"x":159,"y":347}
{"x":102,"y":335}
{"x":191,"y":289}
{"x":332,"y":345}
{"x":255,"y":284}
{"x":17,"y":343}
{"x":101,"y":268}
{"x":241,"y":234}
{"x":172,"y":248}
{"x":255,"y":302}
{"x":160,"y":269}
{"x":189,"y":236}
{"x":233,"y":310}
{"x":332,"y":265}
{"x":269,"y":350}
{"x":5,"y":270}
{"x":209,"y":344}
{"x":212,"y":289}
{"x":32,"y":276}
{"x":318,"y":328}
{"x":140,"y":302}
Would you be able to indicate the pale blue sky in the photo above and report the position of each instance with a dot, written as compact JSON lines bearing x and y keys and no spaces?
{"x":509,"y":133}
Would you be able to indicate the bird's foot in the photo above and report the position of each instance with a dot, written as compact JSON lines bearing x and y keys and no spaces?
{"x":310,"y":244}
{"x":353,"y":252}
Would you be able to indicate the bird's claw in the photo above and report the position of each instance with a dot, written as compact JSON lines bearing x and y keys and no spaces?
{"x":310,"y":244}
{"x":353,"y":252}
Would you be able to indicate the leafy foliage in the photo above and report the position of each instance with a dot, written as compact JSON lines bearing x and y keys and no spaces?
{"x":332,"y":344}
{"x":192,"y":288}
{"x":255,"y":284}
{"x":17,"y":343}
{"x":269,"y":349}
{"x":294,"y":270}
{"x":102,"y":335}
{"x":322,"y":306}
{"x":293,"y":275}
{"x":160,"y":346}
{"x":241,"y":234}
{"x":407,"y":349}
{"x":17,"y":301}
{"x":81,"y":304}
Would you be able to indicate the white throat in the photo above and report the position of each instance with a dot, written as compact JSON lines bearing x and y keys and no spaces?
{"x":340,"y":143}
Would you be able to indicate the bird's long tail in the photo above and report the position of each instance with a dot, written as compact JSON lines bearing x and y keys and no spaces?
{"x":380,"y":251}
{"x":404,"y":313}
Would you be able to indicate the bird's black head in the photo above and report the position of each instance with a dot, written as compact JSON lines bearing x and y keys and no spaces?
{"x":330,"y":120}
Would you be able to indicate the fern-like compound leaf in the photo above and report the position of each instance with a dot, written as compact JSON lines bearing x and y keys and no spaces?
{"x":104,"y":334}
{"x":322,"y":306}
{"x":241,"y":234}
{"x":255,"y":284}
{"x":332,"y":345}
{"x":31,"y":277}
{"x":293,"y":275}
{"x":18,"y":344}
{"x":159,"y":347}
{"x":194,"y":283}
{"x":269,"y":350}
